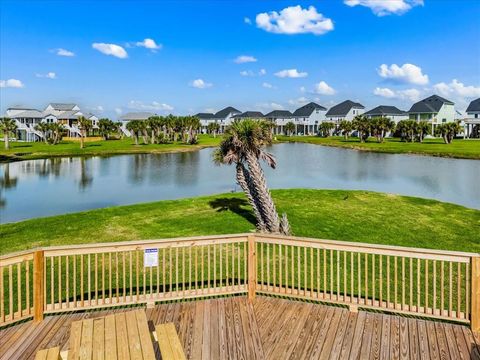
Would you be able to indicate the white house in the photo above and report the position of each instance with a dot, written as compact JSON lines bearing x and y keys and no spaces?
{"x":308,"y":117}
{"x":126,"y":118}
{"x":434,"y":110}
{"x":249,"y":115}
{"x":346,"y":110}
{"x":391,"y":112}
{"x":280,"y":118}
{"x":223,"y":118}
{"x":472,"y":122}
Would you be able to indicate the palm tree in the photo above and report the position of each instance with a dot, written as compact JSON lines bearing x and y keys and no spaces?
{"x":105,"y":127}
{"x":362,"y":125}
{"x":289,"y":128}
{"x":243,"y":145}
{"x":8,"y":126}
{"x":134,"y":126}
{"x":448,"y":131}
{"x":325,"y":128}
{"x":422,"y":129}
{"x":346,"y":127}
{"x":57,"y":130}
{"x":213,"y":128}
{"x":84,"y":125}
{"x":154,"y":124}
{"x":43,"y":128}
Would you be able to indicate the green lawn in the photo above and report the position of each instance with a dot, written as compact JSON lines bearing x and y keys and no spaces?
{"x":329,"y":214}
{"x":465,"y":149}
{"x":39,"y":150}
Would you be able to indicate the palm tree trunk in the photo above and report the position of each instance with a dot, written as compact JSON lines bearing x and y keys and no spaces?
{"x":243,"y":179}
{"x":81,"y":139}
{"x":263,"y":195}
{"x":5,"y":137}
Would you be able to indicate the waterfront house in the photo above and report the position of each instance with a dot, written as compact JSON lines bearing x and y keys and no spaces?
{"x":126,"y":118}
{"x":391,"y":112}
{"x":308,"y":117}
{"x":205,"y":119}
{"x":434,"y":110}
{"x":346,"y":110}
{"x":225,"y":117}
{"x":472,"y":121}
{"x":249,"y":115}
{"x":280,"y":118}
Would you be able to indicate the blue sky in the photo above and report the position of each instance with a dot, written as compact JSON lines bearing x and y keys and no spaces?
{"x":392,"y":53}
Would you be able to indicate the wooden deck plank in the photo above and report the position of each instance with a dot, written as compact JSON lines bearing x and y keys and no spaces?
{"x":290,"y":329}
{"x":99,"y":339}
{"x":86,"y":341}
{"x":145,"y":336}
{"x":123,"y":352}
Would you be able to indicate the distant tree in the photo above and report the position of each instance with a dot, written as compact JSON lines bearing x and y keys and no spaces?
{"x":44,"y":129}
{"x":325,"y":128}
{"x":134,"y":127}
{"x":448,"y":131}
{"x":105,"y":128}
{"x":8,"y":126}
{"x":192,"y":125}
{"x":213,"y":128}
{"x":362,"y":125}
{"x":422,"y":129}
{"x":56,"y":131}
{"x":154,"y":123}
{"x":84,"y":125}
{"x":289,"y":128}
{"x":346,"y":127}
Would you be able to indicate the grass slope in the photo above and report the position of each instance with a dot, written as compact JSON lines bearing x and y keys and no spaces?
{"x":329,"y":214}
{"x":464,"y":149}
{"x":40,"y":150}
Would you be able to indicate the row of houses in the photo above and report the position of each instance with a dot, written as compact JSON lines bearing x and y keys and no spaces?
{"x":67,"y":115}
{"x":307,"y":118}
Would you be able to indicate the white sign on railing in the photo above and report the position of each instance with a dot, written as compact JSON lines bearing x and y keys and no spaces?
{"x":150,"y":257}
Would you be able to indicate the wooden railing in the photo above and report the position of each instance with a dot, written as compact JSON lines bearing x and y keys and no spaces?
{"x":427,"y":283}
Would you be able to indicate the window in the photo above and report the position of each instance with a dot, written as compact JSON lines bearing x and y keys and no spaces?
{"x":444,"y":120}
{"x":476,"y":116}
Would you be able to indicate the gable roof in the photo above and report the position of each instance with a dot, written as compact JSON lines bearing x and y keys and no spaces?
{"x":35,"y":114}
{"x":343,"y":108}
{"x":431,"y":104}
{"x":385,"y":110}
{"x":71,"y":114}
{"x":250,"y":114}
{"x":474,"y":106}
{"x":136,"y":116}
{"x":205,"y":116}
{"x":62,"y":106}
{"x":307,"y":110}
{"x":276,"y":114}
{"x":225,"y":112}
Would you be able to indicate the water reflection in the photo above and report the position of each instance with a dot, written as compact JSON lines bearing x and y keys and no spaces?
{"x":59,"y":185}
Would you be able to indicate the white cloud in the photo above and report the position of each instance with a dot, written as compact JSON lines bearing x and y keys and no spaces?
{"x":49,"y":75}
{"x":11,"y":83}
{"x":118,"y":111}
{"x":407,"y":73}
{"x":408,"y":94}
{"x":294,"y":20}
{"x":200,"y":84}
{"x":299,"y":101}
{"x":262,"y":72}
{"x":149,"y":44}
{"x":303,"y":89}
{"x":267,"y":85}
{"x":245,"y":59}
{"x":153,"y":106}
{"x":386,"y":7}
{"x":458,"y":89}
{"x":324,"y":89}
{"x":269,"y":106}
{"x":111,"y":49}
{"x":290,"y":73}
{"x":98,"y":108}
{"x":247,"y":20}
{"x":384,"y":92}
{"x":64,"y":52}
{"x":247,"y":73}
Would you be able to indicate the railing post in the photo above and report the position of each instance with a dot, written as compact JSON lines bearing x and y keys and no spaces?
{"x":252,"y":267}
{"x":38,"y":285}
{"x":475,"y":296}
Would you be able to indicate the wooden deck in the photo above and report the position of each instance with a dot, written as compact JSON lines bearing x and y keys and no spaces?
{"x":270,"y":328}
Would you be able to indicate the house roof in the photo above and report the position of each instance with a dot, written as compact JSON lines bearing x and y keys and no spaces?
{"x":385,"y":110}
{"x":19,"y":108}
{"x":431,"y":104}
{"x":62,"y":106}
{"x":136,"y":116}
{"x":205,"y":116}
{"x":307,"y":110}
{"x":29,"y":114}
{"x":343,"y":108}
{"x":474,"y":106}
{"x":71,"y":114}
{"x":276,"y":114}
{"x":250,"y":114}
{"x":222,"y":114}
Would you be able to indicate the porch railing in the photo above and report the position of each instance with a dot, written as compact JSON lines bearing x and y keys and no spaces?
{"x":429,"y":283}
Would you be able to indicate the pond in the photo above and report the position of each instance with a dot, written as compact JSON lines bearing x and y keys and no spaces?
{"x":38,"y":188}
